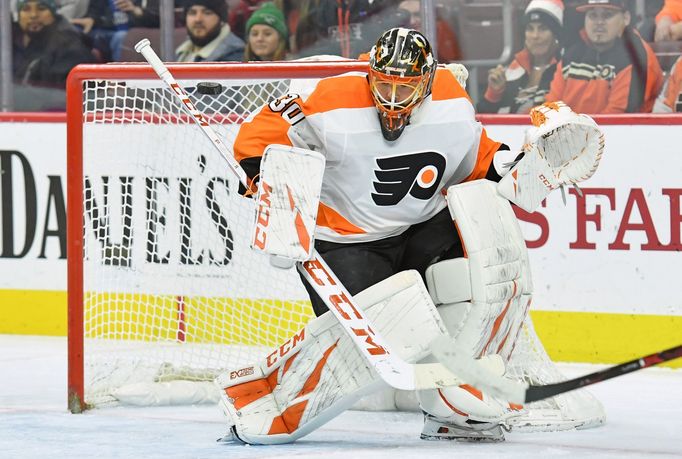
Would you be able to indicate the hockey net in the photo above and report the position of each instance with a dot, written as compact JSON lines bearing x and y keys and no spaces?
{"x":164,"y":292}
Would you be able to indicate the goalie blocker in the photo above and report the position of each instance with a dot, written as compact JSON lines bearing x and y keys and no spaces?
{"x":482,"y":300}
{"x":287,"y":202}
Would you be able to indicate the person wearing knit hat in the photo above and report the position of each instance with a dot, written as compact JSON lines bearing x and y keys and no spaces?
{"x":266,"y":34}
{"x":269,"y":14}
{"x":210,"y":37}
{"x":548,"y":12}
{"x":36,"y":15}
{"x":45,"y":46}
{"x":219,"y":7}
{"x":49,"y":4}
{"x":525,"y":82}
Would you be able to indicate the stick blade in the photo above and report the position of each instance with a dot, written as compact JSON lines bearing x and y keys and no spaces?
{"x":477,"y":373}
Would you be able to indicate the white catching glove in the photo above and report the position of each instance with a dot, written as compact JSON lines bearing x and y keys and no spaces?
{"x":561,"y":148}
{"x":571,"y":143}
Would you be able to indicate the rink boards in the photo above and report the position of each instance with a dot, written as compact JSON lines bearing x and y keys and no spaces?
{"x":605,"y":266}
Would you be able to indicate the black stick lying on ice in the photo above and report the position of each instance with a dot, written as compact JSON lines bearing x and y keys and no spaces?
{"x":518,"y":392}
{"x":534,"y":393}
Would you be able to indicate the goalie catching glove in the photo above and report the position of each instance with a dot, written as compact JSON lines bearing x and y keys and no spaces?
{"x":562,"y":148}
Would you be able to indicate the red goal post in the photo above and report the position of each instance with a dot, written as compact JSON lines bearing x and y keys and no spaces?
{"x":162,"y":289}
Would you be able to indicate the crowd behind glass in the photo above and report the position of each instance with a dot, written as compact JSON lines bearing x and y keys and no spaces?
{"x":599,"y":56}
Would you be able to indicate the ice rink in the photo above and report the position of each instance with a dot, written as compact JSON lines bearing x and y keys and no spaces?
{"x":644,"y":420}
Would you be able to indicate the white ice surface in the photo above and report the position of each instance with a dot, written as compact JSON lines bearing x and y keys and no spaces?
{"x":644,"y":411}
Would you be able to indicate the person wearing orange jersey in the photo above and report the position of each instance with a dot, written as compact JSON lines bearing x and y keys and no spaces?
{"x":670,"y":98}
{"x":525,"y":82}
{"x":669,"y":21}
{"x":612,"y":69}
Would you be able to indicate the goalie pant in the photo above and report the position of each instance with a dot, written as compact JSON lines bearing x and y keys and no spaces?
{"x":318,"y":373}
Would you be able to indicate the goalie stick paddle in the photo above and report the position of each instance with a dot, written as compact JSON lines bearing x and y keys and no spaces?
{"x":516,"y":392}
{"x":388,"y":365}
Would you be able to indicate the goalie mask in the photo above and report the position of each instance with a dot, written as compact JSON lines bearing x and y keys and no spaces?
{"x":401,"y":69}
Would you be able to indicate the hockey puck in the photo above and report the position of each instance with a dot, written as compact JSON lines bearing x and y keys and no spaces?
{"x":209,"y":87}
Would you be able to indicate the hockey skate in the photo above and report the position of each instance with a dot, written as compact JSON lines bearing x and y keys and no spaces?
{"x":487,"y":432}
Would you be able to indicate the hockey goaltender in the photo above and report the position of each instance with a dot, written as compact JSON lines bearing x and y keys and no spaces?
{"x":400,"y":156}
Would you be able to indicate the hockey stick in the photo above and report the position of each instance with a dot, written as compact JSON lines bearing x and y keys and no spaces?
{"x":388,"y":365}
{"x":517,"y":392}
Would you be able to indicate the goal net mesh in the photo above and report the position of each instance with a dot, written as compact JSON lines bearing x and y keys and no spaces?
{"x":171,"y":290}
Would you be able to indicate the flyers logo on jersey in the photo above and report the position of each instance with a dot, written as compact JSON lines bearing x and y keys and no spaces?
{"x":418,"y":174}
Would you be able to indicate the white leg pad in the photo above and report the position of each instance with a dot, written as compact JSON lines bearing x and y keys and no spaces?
{"x":319,"y":373}
{"x":482,"y":298}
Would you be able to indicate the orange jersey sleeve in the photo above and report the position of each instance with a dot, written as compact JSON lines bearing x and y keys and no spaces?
{"x":446,"y":86}
{"x":486,"y":151}
{"x":266,"y":127}
{"x":341,"y":92}
{"x":272,"y":123}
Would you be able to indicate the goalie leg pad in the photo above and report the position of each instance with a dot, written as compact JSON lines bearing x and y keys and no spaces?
{"x":485,"y":315}
{"x":482,"y":298}
{"x":318,"y":373}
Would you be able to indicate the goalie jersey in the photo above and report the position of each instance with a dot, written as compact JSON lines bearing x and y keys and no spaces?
{"x":373,"y":188}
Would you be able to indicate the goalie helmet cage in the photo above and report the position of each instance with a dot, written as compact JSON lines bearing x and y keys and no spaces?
{"x":163,"y":290}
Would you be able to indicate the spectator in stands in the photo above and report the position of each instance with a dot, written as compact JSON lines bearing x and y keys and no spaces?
{"x":266,"y":41}
{"x":210,"y":36}
{"x":266,"y":35}
{"x":525,"y":83}
{"x":448,"y":47}
{"x":670,"y":98}
{"x":45,"y":46}
{"x":612,"y":69}
{"x":669,"y":21}
{"x":107,"y":22}
{"x":299,"y":16}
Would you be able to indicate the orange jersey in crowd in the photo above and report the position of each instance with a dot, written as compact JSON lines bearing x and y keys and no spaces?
{"x":670,"y":99}
{"x":608,"y":82}
{"x":672,"y":9}
{"x":374,"y":188}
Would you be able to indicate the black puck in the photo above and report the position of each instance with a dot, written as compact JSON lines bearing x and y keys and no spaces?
{"x":209,"y":87}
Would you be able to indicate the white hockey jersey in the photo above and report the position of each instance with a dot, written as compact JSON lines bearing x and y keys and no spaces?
{"x":374,"y":188}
